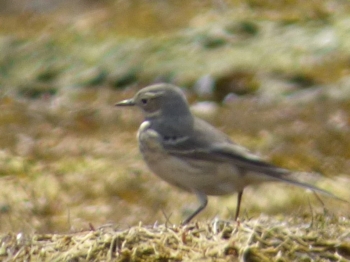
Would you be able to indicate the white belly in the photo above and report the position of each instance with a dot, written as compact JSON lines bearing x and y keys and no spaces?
{"x":211,"y":178}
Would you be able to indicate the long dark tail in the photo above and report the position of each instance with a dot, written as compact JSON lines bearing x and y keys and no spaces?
{"x":307,"y":186}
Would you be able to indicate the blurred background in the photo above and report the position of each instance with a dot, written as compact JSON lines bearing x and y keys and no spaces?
{"x":274,"y":75}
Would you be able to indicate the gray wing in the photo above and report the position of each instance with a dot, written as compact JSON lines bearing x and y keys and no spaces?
{"x":209,"y":144}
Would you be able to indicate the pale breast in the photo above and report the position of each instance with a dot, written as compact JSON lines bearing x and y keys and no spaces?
{"x":212,"y":178}
{"x":149,"y":140}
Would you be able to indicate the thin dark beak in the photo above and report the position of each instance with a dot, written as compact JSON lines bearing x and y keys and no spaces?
{"x":127,"y":102}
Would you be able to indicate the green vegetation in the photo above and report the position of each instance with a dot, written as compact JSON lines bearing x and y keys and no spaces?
{"x":69,"y":162}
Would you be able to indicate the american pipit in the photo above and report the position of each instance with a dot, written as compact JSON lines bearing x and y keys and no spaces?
{"x":189,"y":153}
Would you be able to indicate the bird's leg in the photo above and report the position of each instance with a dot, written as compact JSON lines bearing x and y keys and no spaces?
{"x":203,"y":199}
{"x":239,"y":199}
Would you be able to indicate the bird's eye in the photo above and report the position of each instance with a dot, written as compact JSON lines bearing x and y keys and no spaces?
{"x":144,"y":101}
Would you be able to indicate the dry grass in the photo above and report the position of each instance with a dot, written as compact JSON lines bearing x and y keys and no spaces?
{"x":262,"y":239}
{"x":69,"y":161}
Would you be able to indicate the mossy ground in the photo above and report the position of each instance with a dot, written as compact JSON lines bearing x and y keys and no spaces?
{"x":69,"y":161}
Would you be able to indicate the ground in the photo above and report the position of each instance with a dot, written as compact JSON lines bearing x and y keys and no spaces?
{"x":73,"y":183}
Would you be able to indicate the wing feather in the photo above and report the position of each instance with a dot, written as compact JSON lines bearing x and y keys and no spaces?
{"x":208,"y":143}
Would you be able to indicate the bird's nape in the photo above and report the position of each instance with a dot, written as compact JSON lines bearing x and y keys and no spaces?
{"x":183,"y":150}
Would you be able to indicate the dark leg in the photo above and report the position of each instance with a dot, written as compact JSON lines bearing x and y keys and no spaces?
{"x":239,"y":199}
{"x":203,"y":203}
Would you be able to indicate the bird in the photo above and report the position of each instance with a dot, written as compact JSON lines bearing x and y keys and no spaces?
{"x":193,"y":155}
